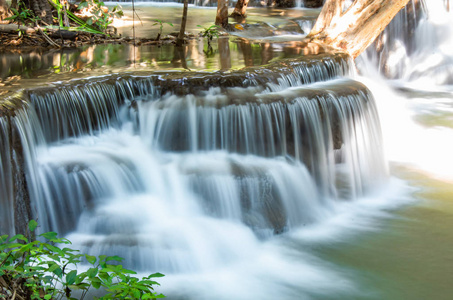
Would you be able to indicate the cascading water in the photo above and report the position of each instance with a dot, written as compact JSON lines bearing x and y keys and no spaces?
{"x":416,"y":46}
{"x":418,"y":63}
{"x":248,"y":185}
{"x":189,"y":174}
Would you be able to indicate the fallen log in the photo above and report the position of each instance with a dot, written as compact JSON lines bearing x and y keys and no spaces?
{"x":14,"y":28}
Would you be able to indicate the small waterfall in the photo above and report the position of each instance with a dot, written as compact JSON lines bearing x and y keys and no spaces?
{"x":18,"y":150}
{"x":6,"y":179}
{"x":143,"y":165}
{"x":186,"y":173}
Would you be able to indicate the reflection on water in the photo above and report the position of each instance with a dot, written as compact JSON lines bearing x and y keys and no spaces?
{"x":35,"y":68}
{"x":274,"y":33}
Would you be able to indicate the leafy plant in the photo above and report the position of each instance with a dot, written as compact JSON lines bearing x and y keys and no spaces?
{"x":161,"y":26}
{"x":100,"y":15}
{"x":42,"y":270}
{"x":22,"y":15}
{"x":210,"y":32}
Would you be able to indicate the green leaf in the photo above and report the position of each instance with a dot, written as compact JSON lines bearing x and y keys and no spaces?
{"x":96,"y":282}
{"x":19,"y":237}
{"x":71,"y":277}
{"x":57,"y":271}
{"x":115,"y":258}
{"x":13,"y":245}
{"x":92,"y":272}
{"x":136,"y":294}
{"x":49,"y":235}
{"x":55,"y":249}
{"x":150,"y":282}
{"x":91,"y":259}
{"x":104,"y":276}
{"x":48,"y":296}
{"x":155,"y":275}
{"x":32,"y":225}
{"x":79,"y":286}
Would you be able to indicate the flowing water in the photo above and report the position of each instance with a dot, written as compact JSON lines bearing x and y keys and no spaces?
{"x":257,"y":185}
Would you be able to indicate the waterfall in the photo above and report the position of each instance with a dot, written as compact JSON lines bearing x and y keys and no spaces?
{"x":191,"y":172}
{"x":415,"y":47}
{"x":153,"y":166}
{"x":20,"y":140}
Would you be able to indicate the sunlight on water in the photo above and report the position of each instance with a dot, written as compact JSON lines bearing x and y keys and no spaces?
{"x":405,"y":140}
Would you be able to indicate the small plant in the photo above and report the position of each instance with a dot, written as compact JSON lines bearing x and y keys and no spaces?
{"x":209,"y":33}
{"x":161,"y":27}
{"x":99,"y":15}
{"x":42,"y":270}
{"x":22,"y":15}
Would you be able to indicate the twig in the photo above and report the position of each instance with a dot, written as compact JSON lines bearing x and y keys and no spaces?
{"x":141,"y":23}
{"x":133,"y":25}
{"x":133,"y":20}
{"x":47,"y":38}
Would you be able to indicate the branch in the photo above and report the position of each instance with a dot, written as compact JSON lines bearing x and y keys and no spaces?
{"x":355,"y":29}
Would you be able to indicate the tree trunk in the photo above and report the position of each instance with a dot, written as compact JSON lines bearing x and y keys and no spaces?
{"x":182,"y":31}
{"x":356,"y":28}
{"x":221,"y":18}
{"x":240,"y":8}
{"x":41,"y":9}
{"x":3,"y":10}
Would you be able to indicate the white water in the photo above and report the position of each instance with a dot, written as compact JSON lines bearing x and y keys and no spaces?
{"x":144,"y":205}
{"x":199,"y":187}
{"x":425,"y":77}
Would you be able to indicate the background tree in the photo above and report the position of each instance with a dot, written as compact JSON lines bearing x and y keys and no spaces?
{"x":182,"y":30}
{"x":3,"y":10}
{"x":240,"y":8}
{"x":221,"y":18}
{"x":41,"y":9}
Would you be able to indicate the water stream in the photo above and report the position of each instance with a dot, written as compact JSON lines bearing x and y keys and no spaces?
{"x":257,"y":185}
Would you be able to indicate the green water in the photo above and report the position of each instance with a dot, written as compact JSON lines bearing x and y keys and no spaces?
{"x":411,"y":256}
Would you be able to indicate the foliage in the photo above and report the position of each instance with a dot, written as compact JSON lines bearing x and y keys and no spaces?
{"x":42,"y":270}
{"x":100,"y":15}
{"x":83,"y":26}
{"x":161,"y":26}
{"x":210,"y":32}
{"x":22,"y":15}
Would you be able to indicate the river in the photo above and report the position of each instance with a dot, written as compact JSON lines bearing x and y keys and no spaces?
{"x":393,"y":241}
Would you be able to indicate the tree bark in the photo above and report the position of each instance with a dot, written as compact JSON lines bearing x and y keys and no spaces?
{"x":3,"y":10}
{"x":182,"y":30}
{"x":221,"y":18}
{"x":41,"y":9}
{"x":356,"y":28}
{"x":240,"y":8}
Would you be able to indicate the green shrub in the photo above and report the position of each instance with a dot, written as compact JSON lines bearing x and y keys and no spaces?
{"x":43,"y":270}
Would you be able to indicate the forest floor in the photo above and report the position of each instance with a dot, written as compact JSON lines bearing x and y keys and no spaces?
{"x":16,"y":42}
